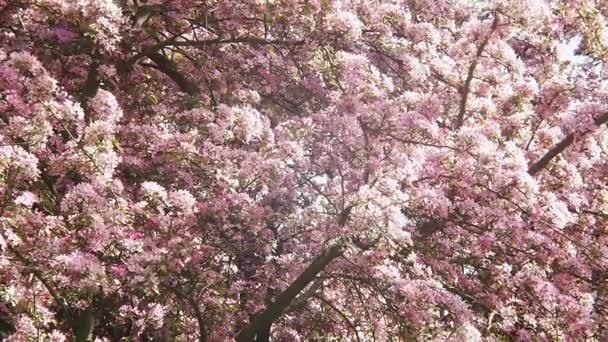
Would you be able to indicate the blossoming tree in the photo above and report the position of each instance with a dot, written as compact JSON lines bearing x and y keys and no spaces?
{"x":353,"y":170}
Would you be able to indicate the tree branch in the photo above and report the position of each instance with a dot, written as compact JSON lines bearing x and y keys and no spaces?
{"x":56,"y":297}
{"x":168,"y":68}
{"x":540,"y":164}
{"x":91,"y":86}
{"x":197,"y":312}
{"x":301,"y":299}
{"x":83,"y":326}
{"x":248,"y":40}
{"x":203,"y":43}
{"x":92,"y":83}
{"x":466,"y":87}
{"x":285,"y":298}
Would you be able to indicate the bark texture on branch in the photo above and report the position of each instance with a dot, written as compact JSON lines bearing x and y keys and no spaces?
{"x":466,"y":87}
{"x":264,"y":320}
{"x":168,"y":67}
{"x":540,"y":164}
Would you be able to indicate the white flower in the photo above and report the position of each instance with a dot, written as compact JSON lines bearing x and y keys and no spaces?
{"x":469,"y":333}
{"x":347,"y":22}
{"x":249,"y":123}
{"x":505,"y":268}
{"x":561,"y":216}
{"x":587,"y":300}
{"x":154,"y":190}
{"x":26,"y":199}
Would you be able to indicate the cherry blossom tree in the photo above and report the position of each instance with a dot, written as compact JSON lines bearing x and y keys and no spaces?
{"x":352,"y":170}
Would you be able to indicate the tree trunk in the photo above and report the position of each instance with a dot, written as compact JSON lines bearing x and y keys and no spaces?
{"x":83,"y":326}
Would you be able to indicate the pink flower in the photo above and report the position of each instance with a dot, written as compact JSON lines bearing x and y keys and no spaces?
{"x":64,"y":35}
{"x":80,"y":262}
{"x":19,"y":162}
{"x":106,"y":106}
{"x":347,"y":22}
{"x":182,"y":200}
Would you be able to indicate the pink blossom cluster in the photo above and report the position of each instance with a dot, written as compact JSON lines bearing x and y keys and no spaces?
{"x":303,"y":170}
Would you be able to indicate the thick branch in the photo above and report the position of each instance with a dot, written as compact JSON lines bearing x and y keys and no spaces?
{"x":83,"y":326}
{"x":552,"y":153}
{"x":466,"y":87}
{"x":92,"y":83}
{"x":203,"y":43}
{"x":285,"y":298}
{"x":301,"y":300}
{"x":197,"y":312}
{"x":169,"y":68}
{"x":540,"y":164}
{"x":91,"y":86}
{"x":247,"y":40}
{"x":56,"y":297}
{"x":58,"y":300}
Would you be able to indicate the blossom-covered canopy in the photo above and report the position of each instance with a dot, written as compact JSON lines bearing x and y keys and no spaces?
{"x":303,"y":170}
